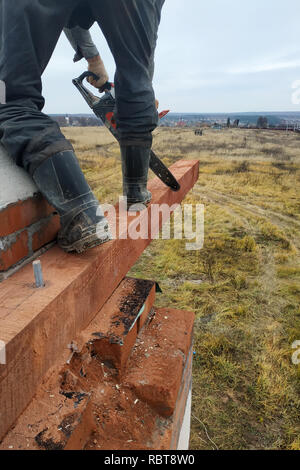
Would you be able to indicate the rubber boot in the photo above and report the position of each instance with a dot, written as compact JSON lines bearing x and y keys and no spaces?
{"x":61,"y":181}
{"x":135,"y":167}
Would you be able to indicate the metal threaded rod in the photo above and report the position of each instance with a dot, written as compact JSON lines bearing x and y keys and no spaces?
{"x":38,"y":274}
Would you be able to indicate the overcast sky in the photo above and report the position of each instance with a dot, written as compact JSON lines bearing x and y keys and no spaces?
{"x":212,"y":56}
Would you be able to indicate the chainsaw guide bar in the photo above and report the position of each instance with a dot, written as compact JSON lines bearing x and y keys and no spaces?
{"x":104,"y":107}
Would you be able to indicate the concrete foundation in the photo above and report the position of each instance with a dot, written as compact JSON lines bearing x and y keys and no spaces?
{"x":184,"y":438}
{"x":16,"y":185}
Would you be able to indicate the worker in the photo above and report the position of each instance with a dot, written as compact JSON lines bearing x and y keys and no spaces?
{"x":29,"y":33}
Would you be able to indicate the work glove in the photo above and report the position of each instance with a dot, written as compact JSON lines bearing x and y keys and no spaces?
{"x":96,"y":66}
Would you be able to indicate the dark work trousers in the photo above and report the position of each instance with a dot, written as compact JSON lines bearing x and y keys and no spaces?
{"x":29,"y":33}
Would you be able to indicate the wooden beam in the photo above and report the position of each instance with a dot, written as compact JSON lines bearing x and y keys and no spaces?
{"x":36,"y":325}
{"x":84,"y":405}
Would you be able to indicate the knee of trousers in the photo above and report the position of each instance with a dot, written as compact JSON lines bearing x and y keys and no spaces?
{"x":31,"y":161}
{"x":30,"y":136}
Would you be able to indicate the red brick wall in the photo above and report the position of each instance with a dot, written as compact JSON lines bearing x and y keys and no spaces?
{"x":25,"y":227}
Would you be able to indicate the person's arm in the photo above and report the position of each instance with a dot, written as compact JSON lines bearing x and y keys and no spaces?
{"x":83,"y":45}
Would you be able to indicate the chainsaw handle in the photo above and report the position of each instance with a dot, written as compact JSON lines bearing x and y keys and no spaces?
{"x":107,"y":86}
{"x":104,"y":109}
{"x":91,"y":99}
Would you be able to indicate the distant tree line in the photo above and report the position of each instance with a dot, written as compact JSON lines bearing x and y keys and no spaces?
{"x":262,"y":122}
{"x":236,"y":123}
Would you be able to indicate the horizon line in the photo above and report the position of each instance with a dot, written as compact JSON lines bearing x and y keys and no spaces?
{"x":191,"y":112}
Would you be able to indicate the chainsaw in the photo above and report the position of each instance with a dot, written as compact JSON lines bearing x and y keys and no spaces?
{"x":104,"y":107}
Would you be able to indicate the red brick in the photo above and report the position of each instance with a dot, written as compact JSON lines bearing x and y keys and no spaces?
{"x":22,"y":214}
{"x":15,"y":253}
{"x":46,"y":233}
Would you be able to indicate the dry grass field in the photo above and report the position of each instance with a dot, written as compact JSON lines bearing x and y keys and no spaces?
{"x":244,"y":285}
